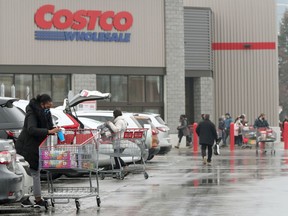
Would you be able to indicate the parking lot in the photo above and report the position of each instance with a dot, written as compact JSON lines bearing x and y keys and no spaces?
{"x":237,"y":183}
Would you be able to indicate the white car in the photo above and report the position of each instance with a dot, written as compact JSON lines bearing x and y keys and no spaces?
{"x":107,"y":115}
{"x":163,"y":129}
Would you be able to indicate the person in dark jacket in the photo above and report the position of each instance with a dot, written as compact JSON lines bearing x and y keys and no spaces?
{"x":207,"y":133}
{"x":261,"y":122}
{"x":183,"y":130}
{"x":37,"y":126}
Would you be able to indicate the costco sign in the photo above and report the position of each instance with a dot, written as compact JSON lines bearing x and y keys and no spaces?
{"x":80,"y":25}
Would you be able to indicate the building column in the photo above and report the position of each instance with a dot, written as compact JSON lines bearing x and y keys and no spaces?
{"x":175,"y":65}
{"x":204,"y":98}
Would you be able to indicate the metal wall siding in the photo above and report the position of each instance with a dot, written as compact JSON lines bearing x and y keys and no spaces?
{"x":246,"y":81}
{"x":197,"y":37}
{"x":146,"y":48}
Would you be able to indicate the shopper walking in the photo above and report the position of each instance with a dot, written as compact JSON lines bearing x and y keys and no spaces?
{"x":206,"y":131}
{"x":37,"y":126}
{"x":221,"y":128}
{"x":238,"y":127}
{"x":228,"y":120}
{"x":183,"y":130}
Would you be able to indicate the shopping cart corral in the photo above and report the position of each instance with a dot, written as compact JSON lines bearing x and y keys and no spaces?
{"x":266,"y":138}
{"x":78,"y":153}
{"x":132,"y":144}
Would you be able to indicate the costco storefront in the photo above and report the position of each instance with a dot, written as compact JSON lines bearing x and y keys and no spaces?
{"x":153,"y":56}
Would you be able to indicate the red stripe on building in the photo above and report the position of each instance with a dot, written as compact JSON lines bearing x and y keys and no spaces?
{"x":244,"y":46}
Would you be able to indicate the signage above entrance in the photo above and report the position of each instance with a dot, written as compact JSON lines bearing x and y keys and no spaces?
{"x":68,"y":25}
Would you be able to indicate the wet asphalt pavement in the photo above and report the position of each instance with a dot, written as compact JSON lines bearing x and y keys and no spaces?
{"x":237,"y":183}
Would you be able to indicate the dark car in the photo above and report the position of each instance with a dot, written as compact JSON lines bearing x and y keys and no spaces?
{"x":11,"y":123}
{"x":11,"y":119}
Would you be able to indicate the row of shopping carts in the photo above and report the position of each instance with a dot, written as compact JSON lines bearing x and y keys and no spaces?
{"x":79,"y":153}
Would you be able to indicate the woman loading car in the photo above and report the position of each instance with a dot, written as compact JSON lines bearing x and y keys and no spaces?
{"x":37,"y":125}
{"x":118,"y":127}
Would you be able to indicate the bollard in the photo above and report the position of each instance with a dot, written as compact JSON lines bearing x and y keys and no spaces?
{"x":285,"y":135}
{"x":232,"y":138}
{"x":195,"y":138}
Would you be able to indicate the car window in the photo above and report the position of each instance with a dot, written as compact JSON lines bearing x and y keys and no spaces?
{"x":160,"y":120}
{"x":136,"y":122}
{"x":8,"y":115}
{"x":144,"y":121}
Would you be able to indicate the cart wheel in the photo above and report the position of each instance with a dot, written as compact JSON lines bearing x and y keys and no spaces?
{"x":98,"y":201}
{"x":102,"y":176}
{"x":77,"y":203}
{"x":146,"y":176}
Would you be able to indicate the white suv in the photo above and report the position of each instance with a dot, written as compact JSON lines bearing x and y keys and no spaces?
{"x":163,"y":129}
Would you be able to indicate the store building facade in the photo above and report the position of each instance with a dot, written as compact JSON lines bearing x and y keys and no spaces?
{"x":169,"y":57}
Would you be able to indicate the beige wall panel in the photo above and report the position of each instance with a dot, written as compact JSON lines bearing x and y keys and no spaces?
{"x":246,"y":81}
{"x":238,"y":20}
{"x":17,"y":44}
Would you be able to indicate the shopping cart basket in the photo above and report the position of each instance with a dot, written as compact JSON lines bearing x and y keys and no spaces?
{"x":266,"y":137}
{"x":248,"y":136}
{"x":78,"y":153}
{"x":132,"y":144}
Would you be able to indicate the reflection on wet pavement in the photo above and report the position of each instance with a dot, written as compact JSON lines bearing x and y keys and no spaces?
{"x":237,"y":183}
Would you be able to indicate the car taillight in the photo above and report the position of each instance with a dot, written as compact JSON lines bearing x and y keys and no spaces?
{"x":162,"y":129}
{"x":155,"y":131}
{"x":5,"y":157}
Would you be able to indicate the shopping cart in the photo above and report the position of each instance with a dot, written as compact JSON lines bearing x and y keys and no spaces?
{"x":249,"y":136}
{"x":132,"y":144}
{"x":265,"y":138}
{"x":77,"y":154}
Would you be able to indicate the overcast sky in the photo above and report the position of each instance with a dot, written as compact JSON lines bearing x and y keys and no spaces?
{"x":281,"y":6}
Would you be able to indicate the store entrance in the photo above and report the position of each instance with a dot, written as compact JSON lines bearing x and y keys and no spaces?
{"x":189,"y":99}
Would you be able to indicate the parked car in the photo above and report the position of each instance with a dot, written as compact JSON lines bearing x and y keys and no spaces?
{"x":163,"y":131}
{"x":107,"y":115}
{"x":10,"y":180}
{"x":15,"y":179}
{"x":11,"y":119}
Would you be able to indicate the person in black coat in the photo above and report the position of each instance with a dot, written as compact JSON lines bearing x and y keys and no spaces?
{"x":37,"y":126}
{"x":261,"y":122}
{"x":207,"y":133}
